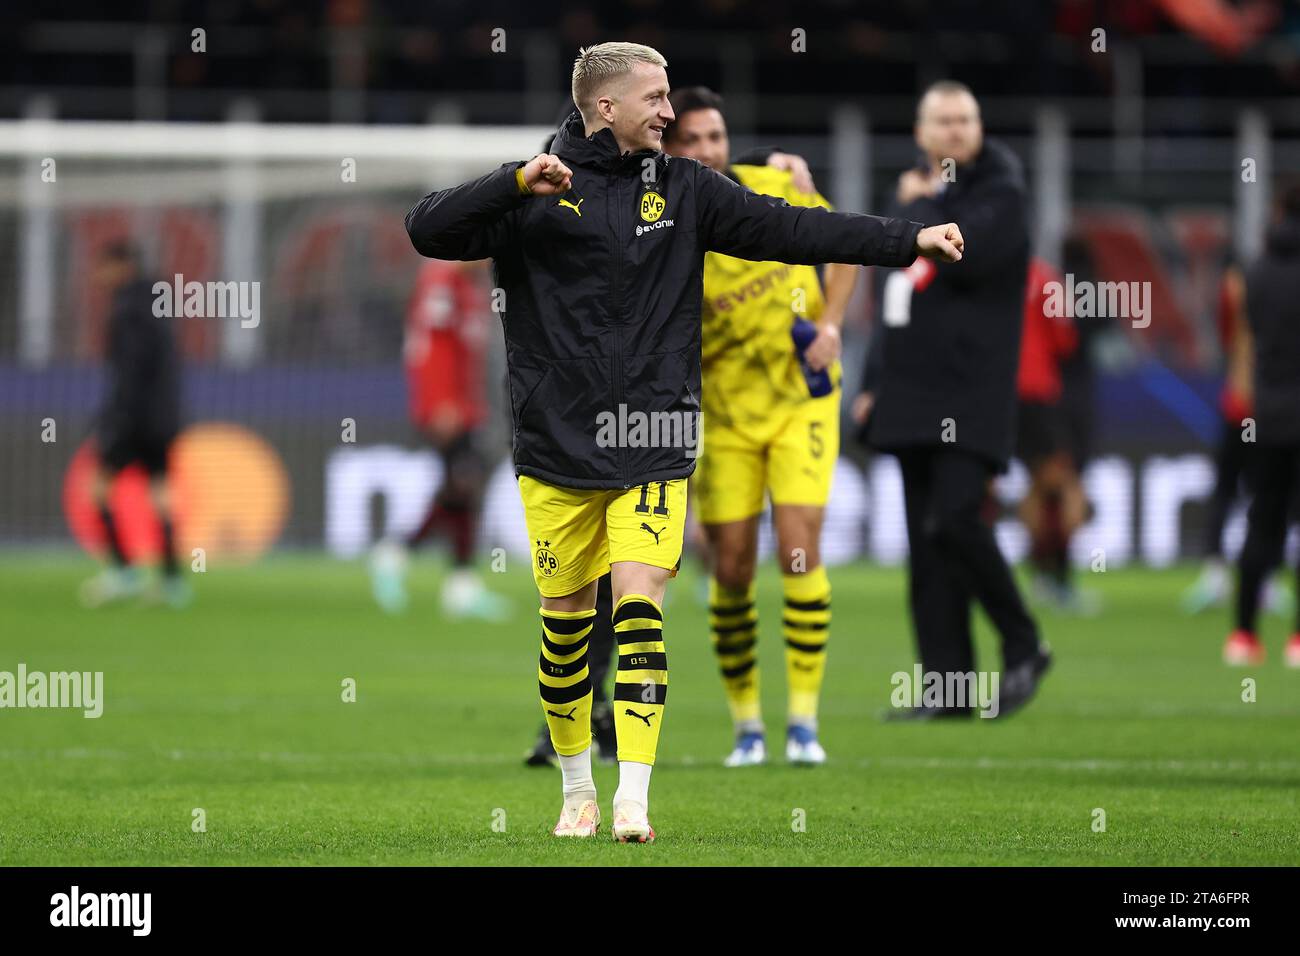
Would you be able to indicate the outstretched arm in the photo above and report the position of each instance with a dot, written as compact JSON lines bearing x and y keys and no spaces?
{"x":741,"y":223}
{"x":472,"y":221}
{"x":993,"y":215}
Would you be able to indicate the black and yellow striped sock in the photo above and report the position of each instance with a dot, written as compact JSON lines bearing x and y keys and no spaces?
{"x":641,"y":684}
{"x":563,"y":681}
{"x":733,"y":628}
{"x":806,"y":627}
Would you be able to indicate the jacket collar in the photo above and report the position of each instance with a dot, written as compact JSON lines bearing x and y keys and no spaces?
{"x":599,"y":150}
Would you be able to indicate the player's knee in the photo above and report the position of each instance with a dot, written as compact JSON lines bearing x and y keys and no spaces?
{"x":584,"y":599}
{"x":1053,"y":472}
{"x":632,"y":577}
{"x":799,"y":558}
{"x":799,"y":549}
{"x":734,"y":572}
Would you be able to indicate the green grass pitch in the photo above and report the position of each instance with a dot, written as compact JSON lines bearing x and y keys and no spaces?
{"x":235,"y":706}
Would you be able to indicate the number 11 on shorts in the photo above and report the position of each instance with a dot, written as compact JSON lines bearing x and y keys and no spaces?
{"x":643,"y":507}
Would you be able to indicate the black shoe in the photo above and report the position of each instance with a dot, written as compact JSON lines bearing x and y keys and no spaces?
{"x":1020,"y":683}
{"x":543,"y":752}
{"x":602,"y":731}
{"x":905,"y":714}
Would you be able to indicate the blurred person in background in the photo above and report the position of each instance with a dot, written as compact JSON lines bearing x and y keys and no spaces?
{"x":1272,"y":294}
{"x":1055,"y":505}
{"x":770,"y":431}
{"x":138,"y":423}
{"x":1232,"y":459}
{"x":446,"y":333}
{"x":944,"y":396}
{"x":1078,"y":368}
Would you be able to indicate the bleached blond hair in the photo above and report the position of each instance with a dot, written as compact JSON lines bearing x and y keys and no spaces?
{"x":597,"y":65}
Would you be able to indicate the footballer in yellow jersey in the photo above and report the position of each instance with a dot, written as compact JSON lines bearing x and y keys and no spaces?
{"x":764,"y":434}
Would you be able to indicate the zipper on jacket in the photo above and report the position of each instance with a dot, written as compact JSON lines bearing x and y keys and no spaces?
{"x":615,"y":320}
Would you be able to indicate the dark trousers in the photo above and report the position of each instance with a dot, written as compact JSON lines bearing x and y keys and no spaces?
{"x":1230,"y":470}
{"x":954,"y":557}
{"x":1275,"y":473}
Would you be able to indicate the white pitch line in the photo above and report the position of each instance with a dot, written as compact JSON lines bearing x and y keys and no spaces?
{"x":1082,"y":765}
{"x":1085,"y":764}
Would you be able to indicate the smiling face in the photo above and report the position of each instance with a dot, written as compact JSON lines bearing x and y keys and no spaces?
{"x":636,"y":107}
{"x":701,"y":134}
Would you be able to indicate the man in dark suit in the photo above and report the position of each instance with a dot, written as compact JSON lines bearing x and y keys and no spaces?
{"x":943,"y":394}
{"x":1272,"y":290}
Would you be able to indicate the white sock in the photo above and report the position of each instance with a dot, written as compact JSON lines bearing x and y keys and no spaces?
{"x":576,"y":771}
{"x":633,"y":783}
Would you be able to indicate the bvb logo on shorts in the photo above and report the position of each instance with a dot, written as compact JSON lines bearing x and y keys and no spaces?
{"x":652,"y":206}
{"x":547,"y":562}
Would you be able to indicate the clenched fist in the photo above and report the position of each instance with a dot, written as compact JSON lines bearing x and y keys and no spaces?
{"x":545,"y":175}
{"x":944,"y":243}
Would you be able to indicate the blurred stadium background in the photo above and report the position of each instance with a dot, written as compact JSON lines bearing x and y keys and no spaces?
{"x":226,"y":164}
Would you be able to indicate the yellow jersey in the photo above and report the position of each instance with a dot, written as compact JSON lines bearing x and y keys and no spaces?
{"x":750,"y":368}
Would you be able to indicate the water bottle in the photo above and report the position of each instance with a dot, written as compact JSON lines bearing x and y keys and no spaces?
{"x":803,"y":332}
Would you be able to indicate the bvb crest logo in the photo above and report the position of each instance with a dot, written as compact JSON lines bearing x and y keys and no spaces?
{"x":547,"y":562}
{"x":652,"y":206}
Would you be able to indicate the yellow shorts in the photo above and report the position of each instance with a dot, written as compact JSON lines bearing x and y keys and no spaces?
{"x":792,"y":456}
{"x":575,"y":534}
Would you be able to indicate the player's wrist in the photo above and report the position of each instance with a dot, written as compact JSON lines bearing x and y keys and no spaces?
{"x":522,"y":183}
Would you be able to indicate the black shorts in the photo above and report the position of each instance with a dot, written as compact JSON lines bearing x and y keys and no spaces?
{"x":120,"y":449}
{"x":1041,"y":431}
